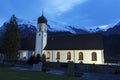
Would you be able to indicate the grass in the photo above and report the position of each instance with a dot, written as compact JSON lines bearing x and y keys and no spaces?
{"x":9,"y":74}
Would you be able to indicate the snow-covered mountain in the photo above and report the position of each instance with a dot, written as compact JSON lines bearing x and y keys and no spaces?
{"x":52,"y":26}
{"x":114,"y":30}
{"x":25,"y":21}
{"x":27,"y":27}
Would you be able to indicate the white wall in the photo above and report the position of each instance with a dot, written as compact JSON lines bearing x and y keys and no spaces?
{"x":87,"y":58}
{"x":63,"y":56}
{"x":25,"y":53}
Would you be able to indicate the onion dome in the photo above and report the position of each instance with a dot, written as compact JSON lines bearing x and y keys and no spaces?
{"x":42,"y":19}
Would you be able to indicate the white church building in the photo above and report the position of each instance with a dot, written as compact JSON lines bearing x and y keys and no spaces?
{"x":83,"y":48}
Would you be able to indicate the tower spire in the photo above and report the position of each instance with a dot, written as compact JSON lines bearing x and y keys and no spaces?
{"x":42,"y":11}
{"x":42,"y":19}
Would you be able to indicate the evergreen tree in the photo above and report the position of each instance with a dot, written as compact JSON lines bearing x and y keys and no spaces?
{"x":12,"y":39}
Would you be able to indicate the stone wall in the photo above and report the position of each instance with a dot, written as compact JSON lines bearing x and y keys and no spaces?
{"x":97,"y":68}
{"x":86,"y":67}
{"x":37,"y":67}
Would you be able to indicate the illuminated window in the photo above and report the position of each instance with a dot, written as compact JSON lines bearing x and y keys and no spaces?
{"x":33,"y":53}
{"x":58,"y":55}
{"x":69,"y":56}
{"x":80,"y":55}
{"x":24,"y":55}
{"x":48,"y":55}
{"x":94,"y":56}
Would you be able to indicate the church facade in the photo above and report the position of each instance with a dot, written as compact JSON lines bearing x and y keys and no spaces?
{"x":84,"y":48}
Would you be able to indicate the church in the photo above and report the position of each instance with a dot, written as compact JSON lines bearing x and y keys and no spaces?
{"x":83,"y":48}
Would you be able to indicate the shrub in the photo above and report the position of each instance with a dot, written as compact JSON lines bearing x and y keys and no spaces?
{"x":31,"y":60}
{"x":34,"y":59}
{"x":37,"y":59}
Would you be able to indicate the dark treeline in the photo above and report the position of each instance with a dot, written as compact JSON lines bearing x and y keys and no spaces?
{"x":112,"y":47}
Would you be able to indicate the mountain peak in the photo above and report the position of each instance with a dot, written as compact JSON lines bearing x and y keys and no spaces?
{"x":25,"y":21}
{"x":118,"y":24}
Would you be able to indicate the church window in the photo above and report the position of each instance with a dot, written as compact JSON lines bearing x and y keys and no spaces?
{"x":48,"y":55}
{"x":24,"y":55}
{"x":33,"y":53}
{"x":94,"y":56}
{"x":39,"y":28}
{"x":58,"y":55}
{"x":69,"y":56}
{"x":80,"y":55}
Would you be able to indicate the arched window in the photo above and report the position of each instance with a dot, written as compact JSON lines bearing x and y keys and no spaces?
{"x":58,"y":55}
{"x":69,"y":56}
{"x":80,"y":55}
{"x":94,"y":56}
{"x":24,"y":55}
{"x":33,"y":53}
{"x":48,"y":55}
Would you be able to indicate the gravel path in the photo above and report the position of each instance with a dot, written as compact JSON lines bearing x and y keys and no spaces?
{"x":98,"y":76}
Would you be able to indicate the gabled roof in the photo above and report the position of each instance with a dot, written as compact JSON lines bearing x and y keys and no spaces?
{"x":75,"y":42}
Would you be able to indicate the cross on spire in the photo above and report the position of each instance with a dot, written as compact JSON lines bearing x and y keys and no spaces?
{"x":42,"y":11}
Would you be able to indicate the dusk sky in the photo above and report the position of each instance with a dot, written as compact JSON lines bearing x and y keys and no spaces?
{"x":80,"y":13}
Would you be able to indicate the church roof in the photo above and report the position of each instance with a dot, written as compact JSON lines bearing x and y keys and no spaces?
{"x":75,"y":42}
{"x":42,"y":19}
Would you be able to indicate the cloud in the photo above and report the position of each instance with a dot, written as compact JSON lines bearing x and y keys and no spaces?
{"x":66,"y":5}
{"x":61,"y":6}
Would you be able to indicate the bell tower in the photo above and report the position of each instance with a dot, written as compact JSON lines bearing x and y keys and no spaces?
{"x":41,"y":35}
